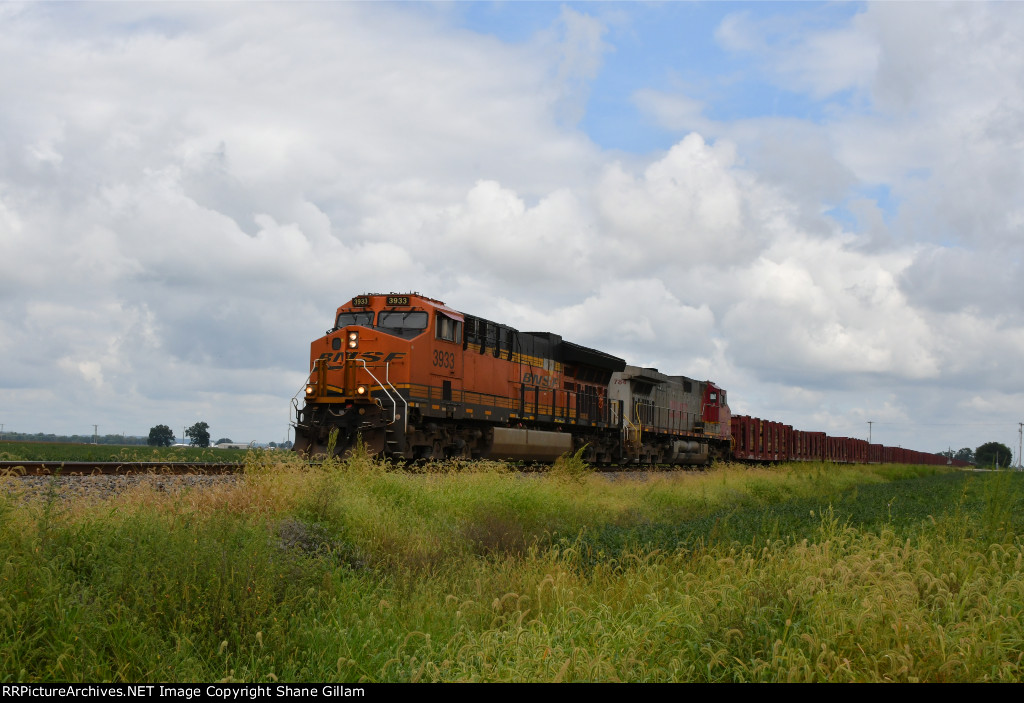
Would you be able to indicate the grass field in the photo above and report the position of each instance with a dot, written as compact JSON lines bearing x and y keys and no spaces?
{"x":354,"y":572}
{"x":53,"y":451}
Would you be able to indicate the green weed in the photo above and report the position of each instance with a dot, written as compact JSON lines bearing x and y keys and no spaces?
{"x":571,"y":468}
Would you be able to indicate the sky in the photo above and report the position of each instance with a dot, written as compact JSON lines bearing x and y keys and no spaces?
{"x":818,"y":206}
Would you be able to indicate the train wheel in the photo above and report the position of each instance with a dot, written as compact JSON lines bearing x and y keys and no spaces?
{"x":459,"y":452}
{"x":301,"y":444}
{"x":437,"y":452}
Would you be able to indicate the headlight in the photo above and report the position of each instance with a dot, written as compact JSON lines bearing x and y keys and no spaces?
{"x":310,"y":389}
{"x":361,"y":390}
{"x":353,"y":340}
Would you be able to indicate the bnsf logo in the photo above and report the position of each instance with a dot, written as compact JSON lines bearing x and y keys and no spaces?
{"x":370,"y":357}
{"x":532,"y":379}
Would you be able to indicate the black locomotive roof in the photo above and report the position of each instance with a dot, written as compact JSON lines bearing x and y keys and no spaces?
{"x":542,"y":344}
{"x":552,"y":346}
{"x":574,"y":353}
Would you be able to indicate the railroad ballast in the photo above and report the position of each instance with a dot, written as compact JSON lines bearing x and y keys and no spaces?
{"x":415,"y":379}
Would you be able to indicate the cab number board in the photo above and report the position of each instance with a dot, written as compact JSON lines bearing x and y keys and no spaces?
{"x":398,"y":300}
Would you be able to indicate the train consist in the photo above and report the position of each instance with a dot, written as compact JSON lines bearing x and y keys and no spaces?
{"x":415,"y":379}
{"x":755,"y":439}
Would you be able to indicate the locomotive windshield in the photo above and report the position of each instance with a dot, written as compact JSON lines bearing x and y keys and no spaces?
{"x":402,"y":321}
{"x":355,"y":318}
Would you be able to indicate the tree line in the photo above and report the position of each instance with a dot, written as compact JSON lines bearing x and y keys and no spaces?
{"x":990,"y":454}
{"x":73,"y":438}
{"x":159,"y":436}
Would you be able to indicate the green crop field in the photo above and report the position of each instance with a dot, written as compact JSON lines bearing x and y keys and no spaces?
{"x":53,"y":451}
{"x":353,"y":571}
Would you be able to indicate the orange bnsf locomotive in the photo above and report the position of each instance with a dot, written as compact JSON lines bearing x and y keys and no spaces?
{"x":416,"y":379}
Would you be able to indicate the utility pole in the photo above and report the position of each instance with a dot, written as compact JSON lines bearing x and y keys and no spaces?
{"x":1020,"y":441}
{"x":869,"y":431}
{"x":95,"y":432}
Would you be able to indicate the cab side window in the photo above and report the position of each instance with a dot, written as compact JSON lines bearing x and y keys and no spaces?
{"x":448,"y":329}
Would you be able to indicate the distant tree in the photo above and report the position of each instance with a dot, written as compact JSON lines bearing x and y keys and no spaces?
{"x":199,"y":434}
{"x":160,"y":436}
{"x":286,"y":445}
{"x":272,"y":445}
{"x":965,"y":454}
{"x":223,"y":440}
{"x":72,"y":439}
{"x":993,"y":454}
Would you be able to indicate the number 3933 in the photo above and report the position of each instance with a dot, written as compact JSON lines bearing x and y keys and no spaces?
{"x":443,"y":359}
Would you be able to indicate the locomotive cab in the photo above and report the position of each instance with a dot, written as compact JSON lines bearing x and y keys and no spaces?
{"x":715,"y":415}
{"x":360,"y":370}
{"x":363,"y":371}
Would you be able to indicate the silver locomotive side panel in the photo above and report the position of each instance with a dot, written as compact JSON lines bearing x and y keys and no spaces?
{"x":661,"y":415}
{"x":655,"y":400}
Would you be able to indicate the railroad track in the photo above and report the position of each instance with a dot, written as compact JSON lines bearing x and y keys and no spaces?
{"x":115,"y":468}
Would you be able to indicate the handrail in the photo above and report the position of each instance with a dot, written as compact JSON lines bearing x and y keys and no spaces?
{"x":295,"y":402}
{"x":633,"y":433}
{"x":394,"y":404}
{"x":302,"y":389}
{"x":387,"y":379}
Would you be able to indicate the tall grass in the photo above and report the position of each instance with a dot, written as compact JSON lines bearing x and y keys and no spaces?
{"x":351,"y":570}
